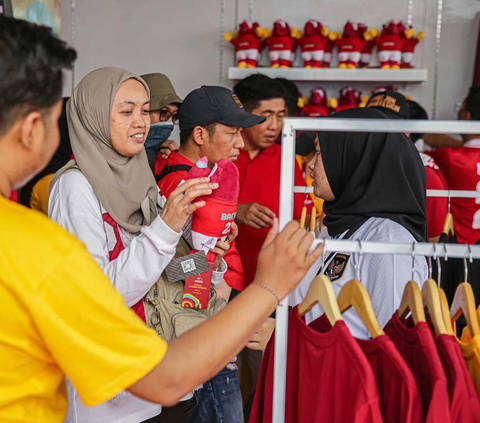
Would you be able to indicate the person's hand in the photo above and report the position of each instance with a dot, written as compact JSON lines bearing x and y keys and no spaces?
{"x":260,"y":339}
{"x":167,"y":147}
{"x":222,"y":247}
{"x":283,"y":260}
{"x":178,"y":207}
{"x":254,"y":215}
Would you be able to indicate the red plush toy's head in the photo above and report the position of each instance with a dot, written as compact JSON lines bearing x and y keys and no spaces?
{"x":281,"y":28}
{"x":318,"y":97}
{"x":247,"y":27}
{"x":391,"y":28}
{"x":349,"y":98}
{"x":225,"y":173}
{"x":383,"y":89}
{"x":351,"y":30}
{"x":313,"y":27}
{"x":362,"y":29}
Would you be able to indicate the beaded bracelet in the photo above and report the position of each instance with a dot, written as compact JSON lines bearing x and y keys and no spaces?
{"x":269,"y":290}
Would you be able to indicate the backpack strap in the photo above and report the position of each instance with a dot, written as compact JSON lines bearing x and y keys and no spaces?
{"x":170,"y":169}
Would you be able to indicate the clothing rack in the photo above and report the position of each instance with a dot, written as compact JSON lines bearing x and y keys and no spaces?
{"x":287,"y":189}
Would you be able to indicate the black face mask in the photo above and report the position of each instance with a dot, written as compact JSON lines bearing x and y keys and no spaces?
{"x":373,"y":175}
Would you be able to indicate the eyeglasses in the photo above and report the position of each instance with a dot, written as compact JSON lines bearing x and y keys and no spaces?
{"x":166,"y":115}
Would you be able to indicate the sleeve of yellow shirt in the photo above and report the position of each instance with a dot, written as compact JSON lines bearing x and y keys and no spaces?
{"x":99,"y":343}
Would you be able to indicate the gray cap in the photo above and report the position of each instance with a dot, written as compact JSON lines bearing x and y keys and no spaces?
{"x":161,"y":90}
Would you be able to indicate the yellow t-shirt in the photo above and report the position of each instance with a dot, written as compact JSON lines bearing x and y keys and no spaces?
{"x":59,"y":315}
{"x":39,"y":195}
{"x":471,"y":355}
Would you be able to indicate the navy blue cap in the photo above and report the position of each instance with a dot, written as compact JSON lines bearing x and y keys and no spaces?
{"x":209,"y":104}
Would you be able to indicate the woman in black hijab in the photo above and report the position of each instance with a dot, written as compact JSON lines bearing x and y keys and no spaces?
{"x":374,"y":187}
{"x":35,"y":193}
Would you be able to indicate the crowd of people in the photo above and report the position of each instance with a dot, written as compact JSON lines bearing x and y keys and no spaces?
{"x":101,"y":204}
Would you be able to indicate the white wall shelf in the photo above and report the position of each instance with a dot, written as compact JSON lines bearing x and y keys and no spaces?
{"x":334,"y":74}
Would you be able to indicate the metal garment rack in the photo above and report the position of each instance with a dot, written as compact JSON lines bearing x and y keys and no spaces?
{"x":287,"y":189}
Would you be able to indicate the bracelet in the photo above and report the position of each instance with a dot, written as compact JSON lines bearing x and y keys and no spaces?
{"x":268,"y":289}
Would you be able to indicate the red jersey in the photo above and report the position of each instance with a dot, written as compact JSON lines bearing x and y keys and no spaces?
{"x":350,"y":44}
{"x":464,"y":404}
{"x":247,"y":42}
{"x":234,"y":276}
{"x":312,"y":43}
{"x":390,"y":43}
{"x":329,"y":379}
{"x":260,"y":183}
{"x":461,"y":168}
{"x":417,"y":346}
{"x":399,"y":396}
{"x":437,"y":207}
{"x":284,"y":42}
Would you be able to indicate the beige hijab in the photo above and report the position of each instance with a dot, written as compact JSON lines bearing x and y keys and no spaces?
{"x":125,"y":186}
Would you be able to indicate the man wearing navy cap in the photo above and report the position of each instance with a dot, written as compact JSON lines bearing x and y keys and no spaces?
{"x":211,"y":120}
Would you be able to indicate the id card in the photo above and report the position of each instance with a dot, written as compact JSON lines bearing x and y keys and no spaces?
{"x":197,"y":290}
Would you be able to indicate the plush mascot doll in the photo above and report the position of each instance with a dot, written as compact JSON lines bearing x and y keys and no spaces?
{"x":350,"y":45}
{"x":366,"y":57}
{"x":317,"y":105}
{"x":281,"y":43}
{"x":410,"y":43}
{"x":312,"y":43}
{"x":349,"y":98}
{"x":248,"y":43}
{"x":213,"y":221}
{"x":390,"y":44}
{"x":329,"y":45}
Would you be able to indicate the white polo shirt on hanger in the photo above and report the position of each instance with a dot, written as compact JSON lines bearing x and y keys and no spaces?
{"x":383,"y":275}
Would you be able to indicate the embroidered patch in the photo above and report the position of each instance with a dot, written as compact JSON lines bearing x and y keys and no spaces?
{"x":237,"y":100}
{"x":385,"y":101}
{"x":337,"y":266}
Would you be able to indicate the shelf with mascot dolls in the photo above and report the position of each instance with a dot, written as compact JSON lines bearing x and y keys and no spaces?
{"x":318,"y":104}
{"x":312,"y":43}
{"x":349,"y":98}
{"x":248,"y":43}
{"x":281,"y":42}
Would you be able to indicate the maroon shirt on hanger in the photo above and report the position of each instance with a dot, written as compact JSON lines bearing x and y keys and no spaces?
{"x":399,"y":396}
{"x":464,"y":404}
{"x":417,"y":346}
{"x":329,"y":379}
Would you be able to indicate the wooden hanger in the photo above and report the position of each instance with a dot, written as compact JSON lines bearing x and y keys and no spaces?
{"x":431,"y":302}
{"x":353,"y":294}
{"x":445,"y":311}
{"x":321,"y":292}
{"x":412,"y":302}
{"x":464,"y":302}
{"x":448,"y":225}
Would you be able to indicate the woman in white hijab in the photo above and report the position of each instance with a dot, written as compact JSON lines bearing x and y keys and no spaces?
{"x":107,"y":197}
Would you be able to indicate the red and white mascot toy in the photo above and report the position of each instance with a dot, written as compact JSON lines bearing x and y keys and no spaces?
{"x":329,"y":45}
{"x":281,"y":44}
{"x":213,"y":221}
{"x":367,"y":50}
{"x":390,"y":44}
{"x":318,"y":104}
{"x":411,"y":42}
{"x":349,"y":98}
{"x":248,"y":43}
{"x":350,"y":45}
{"x":313,"y":43}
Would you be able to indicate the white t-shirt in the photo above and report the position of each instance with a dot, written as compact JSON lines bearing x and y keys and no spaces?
{"x":74,"y":205}
{"x":383,"y":275}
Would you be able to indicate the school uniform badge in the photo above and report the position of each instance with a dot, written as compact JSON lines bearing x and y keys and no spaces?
{"x":337,"y":266}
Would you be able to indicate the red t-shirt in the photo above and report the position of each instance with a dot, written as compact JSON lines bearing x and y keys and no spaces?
{"x":260,"y":183}
{"x":437,"y":207}
{"x":417,"y":346}
{"x":461,"y":168}
{"x":234,"y":276}
{"x":399,"y":396}
{"x":464,"y":405}
{"x":329,"y":379}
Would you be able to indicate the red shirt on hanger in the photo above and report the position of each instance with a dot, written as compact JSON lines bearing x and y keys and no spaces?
{"x":464,"y":404}
{"x":329,"y":379}
{"x":417,"y":346}
{"x":260,"y":183}
{"x":461,"y":168}
{"x":399,"y":396}
{"x":234,"y":276}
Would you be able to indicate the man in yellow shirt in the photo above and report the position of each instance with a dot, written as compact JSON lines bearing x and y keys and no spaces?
{"x":59,"y":315}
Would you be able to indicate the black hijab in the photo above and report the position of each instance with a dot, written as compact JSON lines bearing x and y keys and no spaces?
{"x":60,"y":158}
{"x":373,"y":175}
